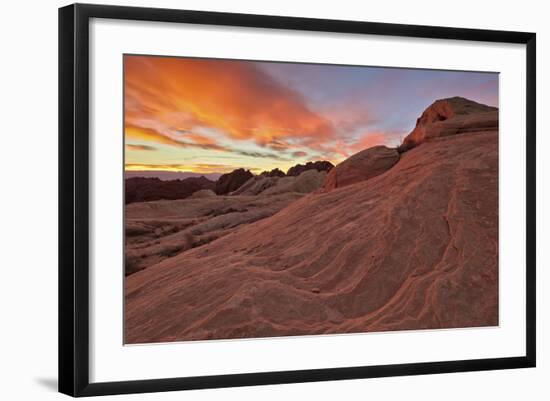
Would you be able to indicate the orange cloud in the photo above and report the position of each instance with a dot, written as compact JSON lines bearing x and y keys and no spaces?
{"x":203,"y":141}
{"x":236,"y":98}
{"x":148,"y":134}
{"x":151,"y":135}
{"x":139,"y":147}
{"x":339,"y":150}
{"x":368,"y":141}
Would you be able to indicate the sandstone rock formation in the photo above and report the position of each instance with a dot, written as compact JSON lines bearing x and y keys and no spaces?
{"x":159,"y":230}
{"x":140,"y":189}
{"x":318,"y":165}
{"x":414,"y":248}
{"x":232,"y":181}
{"x":273,"y":173}
{"x":203,"y":193}
{"x":451,"y":116}
{"x":308,"y":181}
{"x":361,"y":166}
{"x":256,"y":185}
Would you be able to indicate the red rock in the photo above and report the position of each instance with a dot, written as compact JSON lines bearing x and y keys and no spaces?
{"x":413,"y":248}
{"x":159,"y":230}
{"x":451,"y":116}
{"x":361,"y":166}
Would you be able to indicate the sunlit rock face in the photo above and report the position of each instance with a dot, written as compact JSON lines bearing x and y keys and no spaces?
{"x":451,"y":116}
{"x":361,"y":166}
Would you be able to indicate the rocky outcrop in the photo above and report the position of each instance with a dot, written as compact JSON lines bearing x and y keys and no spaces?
{"x":140,"y":189}
{"x":308,"y":181}
{"x":273,"y":173}
{"x":156,"y":231}
{"x":242,"y":182}
{"x":318,"y":165}
{"x":203,"y":193}
{"x":256,"y":185}
{"x":414,"y":248}
{"x":361,"y":166}
{"x":451,"y":116}
{"x":231,"y":181}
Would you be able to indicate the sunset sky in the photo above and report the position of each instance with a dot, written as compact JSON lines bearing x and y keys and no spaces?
{"x":207,"y":115}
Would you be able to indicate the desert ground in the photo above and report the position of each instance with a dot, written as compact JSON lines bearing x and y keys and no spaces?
{"x":390,"y":239}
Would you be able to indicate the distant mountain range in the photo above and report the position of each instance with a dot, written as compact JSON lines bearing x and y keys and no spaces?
{"x":146,"y":186}
{"x":170,"y":175}
{"x":146,"y":189}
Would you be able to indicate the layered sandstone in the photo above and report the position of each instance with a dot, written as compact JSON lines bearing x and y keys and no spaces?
{"x":361,"y":166}
{"x":399,"y":242}
{"x":414,"y":248}
{"x":451,"y":116}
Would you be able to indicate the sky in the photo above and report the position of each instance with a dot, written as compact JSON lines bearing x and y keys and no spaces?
{"x":213,"y":116}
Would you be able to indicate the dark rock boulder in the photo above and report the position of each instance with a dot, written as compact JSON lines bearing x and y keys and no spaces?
{"x":141,"y":189}
{"x":231,"y":181}
{"x":273,"y":173}
{"x":321,"y":165}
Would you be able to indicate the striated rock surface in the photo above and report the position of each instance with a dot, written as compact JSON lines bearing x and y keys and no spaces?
{"x":361,"y":166}
{"x":451,"y":116}
{"x":141,"y":189}
{"x":231,"y":181}
{"x":298,"y":169}
{"x":159,"y":230}
{"x":413,"y":248}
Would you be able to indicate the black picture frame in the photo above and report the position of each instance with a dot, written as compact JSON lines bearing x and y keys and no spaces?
{"x":74,"y":198}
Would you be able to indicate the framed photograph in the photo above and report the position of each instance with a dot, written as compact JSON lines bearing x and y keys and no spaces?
{"x":251,"y":199}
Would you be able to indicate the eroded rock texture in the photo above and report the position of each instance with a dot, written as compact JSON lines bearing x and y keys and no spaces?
{"x":413,"y":248}
{"x":361,"y":166}
{"x":395,"y":242}
{"x":452,"y":116}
